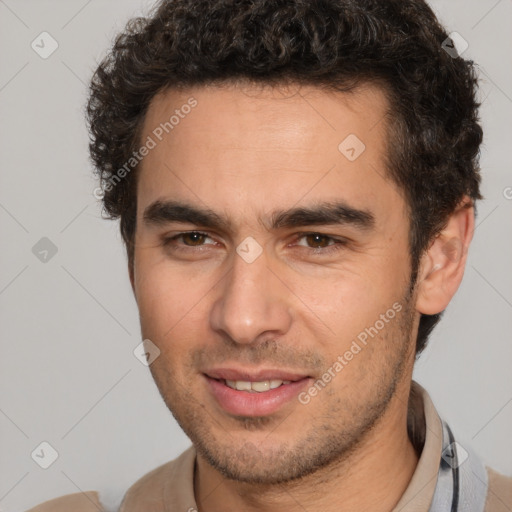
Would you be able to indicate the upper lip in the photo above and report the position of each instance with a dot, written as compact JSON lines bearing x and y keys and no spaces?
{"x":253,"y":375}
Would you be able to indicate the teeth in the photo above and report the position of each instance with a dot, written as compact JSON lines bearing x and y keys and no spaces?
{"x":275,"y":384}
{"x":258,"y":387}
{"x":242,"y":385}
{"x":261,"y":386}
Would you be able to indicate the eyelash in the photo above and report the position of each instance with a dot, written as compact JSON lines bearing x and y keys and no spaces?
{"x":336,"y":246}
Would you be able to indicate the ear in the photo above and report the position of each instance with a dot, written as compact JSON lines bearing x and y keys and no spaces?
{"x":442,"y":266}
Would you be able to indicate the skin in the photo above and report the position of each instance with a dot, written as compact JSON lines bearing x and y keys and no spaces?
{"x":243,"y":152}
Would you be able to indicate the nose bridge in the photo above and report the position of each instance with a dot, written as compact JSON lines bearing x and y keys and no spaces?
{"x":251,"y":300}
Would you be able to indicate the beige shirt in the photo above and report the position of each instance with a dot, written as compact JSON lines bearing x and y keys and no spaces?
{"x":170,"y":487}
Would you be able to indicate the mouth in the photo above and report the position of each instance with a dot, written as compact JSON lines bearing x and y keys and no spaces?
{"x":252,"y":394}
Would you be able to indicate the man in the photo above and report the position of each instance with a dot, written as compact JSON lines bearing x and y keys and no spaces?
{"x":296,"y":184}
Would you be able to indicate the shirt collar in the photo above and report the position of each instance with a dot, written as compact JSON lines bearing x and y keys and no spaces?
{"x":426,"y":433}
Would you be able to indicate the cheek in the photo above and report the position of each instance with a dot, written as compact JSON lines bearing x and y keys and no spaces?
{"x":342,"y":297}
{"x":157,"y":295}
{"x":169,"y":302}
{"x":349,"y":304}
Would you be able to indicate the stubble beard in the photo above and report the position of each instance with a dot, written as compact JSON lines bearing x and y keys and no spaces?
{"x":328,"y":441}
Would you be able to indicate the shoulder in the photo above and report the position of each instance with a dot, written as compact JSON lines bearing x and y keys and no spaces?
{"x":79,"y":502}
{"x":174,"y":477}
{"x":499,"y":492}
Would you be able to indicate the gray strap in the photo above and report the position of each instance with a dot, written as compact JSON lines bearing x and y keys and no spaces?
{"x":461,"y":480}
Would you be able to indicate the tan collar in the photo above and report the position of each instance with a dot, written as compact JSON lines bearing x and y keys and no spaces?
{"x":424,"y":424}
{"x":170,"y":487}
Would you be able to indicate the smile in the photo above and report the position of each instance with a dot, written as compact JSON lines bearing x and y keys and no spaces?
{"x":240,"y":394}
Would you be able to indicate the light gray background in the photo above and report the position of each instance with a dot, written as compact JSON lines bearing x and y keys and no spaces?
{"x":69,"y":326}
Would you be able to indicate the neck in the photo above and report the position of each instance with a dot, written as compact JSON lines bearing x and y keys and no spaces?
{"x":372,"y":477}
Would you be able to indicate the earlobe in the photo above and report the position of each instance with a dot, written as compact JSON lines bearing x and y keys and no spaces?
{"x":442,"y":266}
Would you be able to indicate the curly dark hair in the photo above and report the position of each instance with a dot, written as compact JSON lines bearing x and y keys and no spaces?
{"x":433,"y":127}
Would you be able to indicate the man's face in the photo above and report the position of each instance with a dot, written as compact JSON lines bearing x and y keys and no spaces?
{"x":265,"y":297}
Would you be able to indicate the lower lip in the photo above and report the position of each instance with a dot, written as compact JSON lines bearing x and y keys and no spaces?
{"x":245,"y":403}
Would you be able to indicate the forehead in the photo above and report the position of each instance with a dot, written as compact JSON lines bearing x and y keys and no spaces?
{"x":235,"y":146}
{"x":282,"y":115}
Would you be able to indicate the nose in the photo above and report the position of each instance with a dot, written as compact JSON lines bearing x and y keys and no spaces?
{"x":252,"y":302}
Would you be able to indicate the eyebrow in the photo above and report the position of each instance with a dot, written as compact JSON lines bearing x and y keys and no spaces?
{"x":324,"y":213}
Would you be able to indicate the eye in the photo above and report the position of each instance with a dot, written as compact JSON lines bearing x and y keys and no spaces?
{"x":196,"y":239}
{"x":324,"y":244}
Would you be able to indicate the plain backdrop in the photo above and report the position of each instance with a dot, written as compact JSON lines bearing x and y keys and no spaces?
{"x":69,"y":325}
